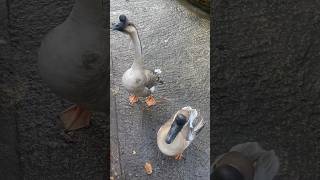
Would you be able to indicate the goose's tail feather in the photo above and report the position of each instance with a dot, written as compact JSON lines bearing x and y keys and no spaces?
{"x":157,"y":73}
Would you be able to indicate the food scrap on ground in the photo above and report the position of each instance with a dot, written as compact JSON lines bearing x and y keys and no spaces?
{"x":148,"y":168}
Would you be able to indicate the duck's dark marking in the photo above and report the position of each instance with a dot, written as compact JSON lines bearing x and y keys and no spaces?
{"x":90,"y":59}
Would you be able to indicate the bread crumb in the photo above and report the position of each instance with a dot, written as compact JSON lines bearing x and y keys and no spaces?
{"x":148,"y":168}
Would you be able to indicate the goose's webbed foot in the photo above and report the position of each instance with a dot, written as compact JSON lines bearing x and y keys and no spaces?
{"x":133,"y":99}
{"x":75,"y":117}
{"x":150,"y":101}
{"x":178,"y":157}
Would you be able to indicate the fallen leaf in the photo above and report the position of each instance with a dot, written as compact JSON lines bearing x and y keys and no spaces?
{"x":111,"y":178}
{"x":148,"y":168}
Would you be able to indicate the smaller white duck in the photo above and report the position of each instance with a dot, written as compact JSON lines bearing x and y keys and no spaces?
{"x":179,"y":131}
{"x":138,"y":80}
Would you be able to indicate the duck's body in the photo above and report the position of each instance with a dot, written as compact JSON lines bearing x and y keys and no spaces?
{"x":246,"y":161}
{"x":179,"y":131}
{"x":176,"y":147}
{"x":138,"y":80}
{"x":73,"y":60}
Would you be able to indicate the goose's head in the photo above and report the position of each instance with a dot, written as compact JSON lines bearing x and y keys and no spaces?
{"x":227,"y":172}
{"x":234,"y":166}
{"x":178,"y":123}
{"x":124,"y":25}
{"x":182,"y":122}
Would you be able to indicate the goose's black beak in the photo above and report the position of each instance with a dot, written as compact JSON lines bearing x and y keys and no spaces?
{"x":118,"y":26}
{"x":123,"y":22}
{"x":175,"y":128}
{"x":173,"y":132}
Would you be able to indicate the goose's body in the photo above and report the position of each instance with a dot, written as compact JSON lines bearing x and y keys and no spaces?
{"x":246,"y":161}
{"x":176,"y":147}
{"x":179,"y":131}
{"x":138,"y":80}
{"x":73,"y":62}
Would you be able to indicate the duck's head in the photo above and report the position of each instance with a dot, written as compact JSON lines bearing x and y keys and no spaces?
{"x":178,"y":123}
{"x":183,"y":120}
{"x":233,"y":166}
{"x":124,"y":25}
{"x":227,"y":172}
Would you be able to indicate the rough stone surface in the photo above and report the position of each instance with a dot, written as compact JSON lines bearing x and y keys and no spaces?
{"x":9,"y":158}
{"x":176,"y":41}
{"x":266,"y":80}
{"x":3,"y":20}
{"x":26,"y":101}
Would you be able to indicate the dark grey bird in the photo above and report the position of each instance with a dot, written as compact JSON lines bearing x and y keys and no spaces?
{"x":73,"y":62}
{"x":138,"y":80}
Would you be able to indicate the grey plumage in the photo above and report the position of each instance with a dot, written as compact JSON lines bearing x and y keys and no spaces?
{"x":137,"y":80}
{"x":73,"y":60}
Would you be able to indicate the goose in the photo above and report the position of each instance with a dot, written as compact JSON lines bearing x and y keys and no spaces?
{"x":176,"y":134}
{"x":247,"y":161}
{"x":73,"y":62}
{"x":138,"y":80}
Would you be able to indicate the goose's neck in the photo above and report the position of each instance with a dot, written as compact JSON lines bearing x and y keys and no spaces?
{"x":138,"y":61}
{"x":88,"y":11}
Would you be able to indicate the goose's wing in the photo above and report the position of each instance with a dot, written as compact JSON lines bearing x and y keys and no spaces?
{"x":200,"y":125}
{"x":195,"y":127}
{"x":152,"y":78}
{"x":267,"y":166}
{"x":94,"y":76}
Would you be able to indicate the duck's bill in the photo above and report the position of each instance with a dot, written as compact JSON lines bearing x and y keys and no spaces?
{"x":173,"y":132}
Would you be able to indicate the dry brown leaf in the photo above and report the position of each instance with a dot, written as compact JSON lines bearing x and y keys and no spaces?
{"x":148,"y":168}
